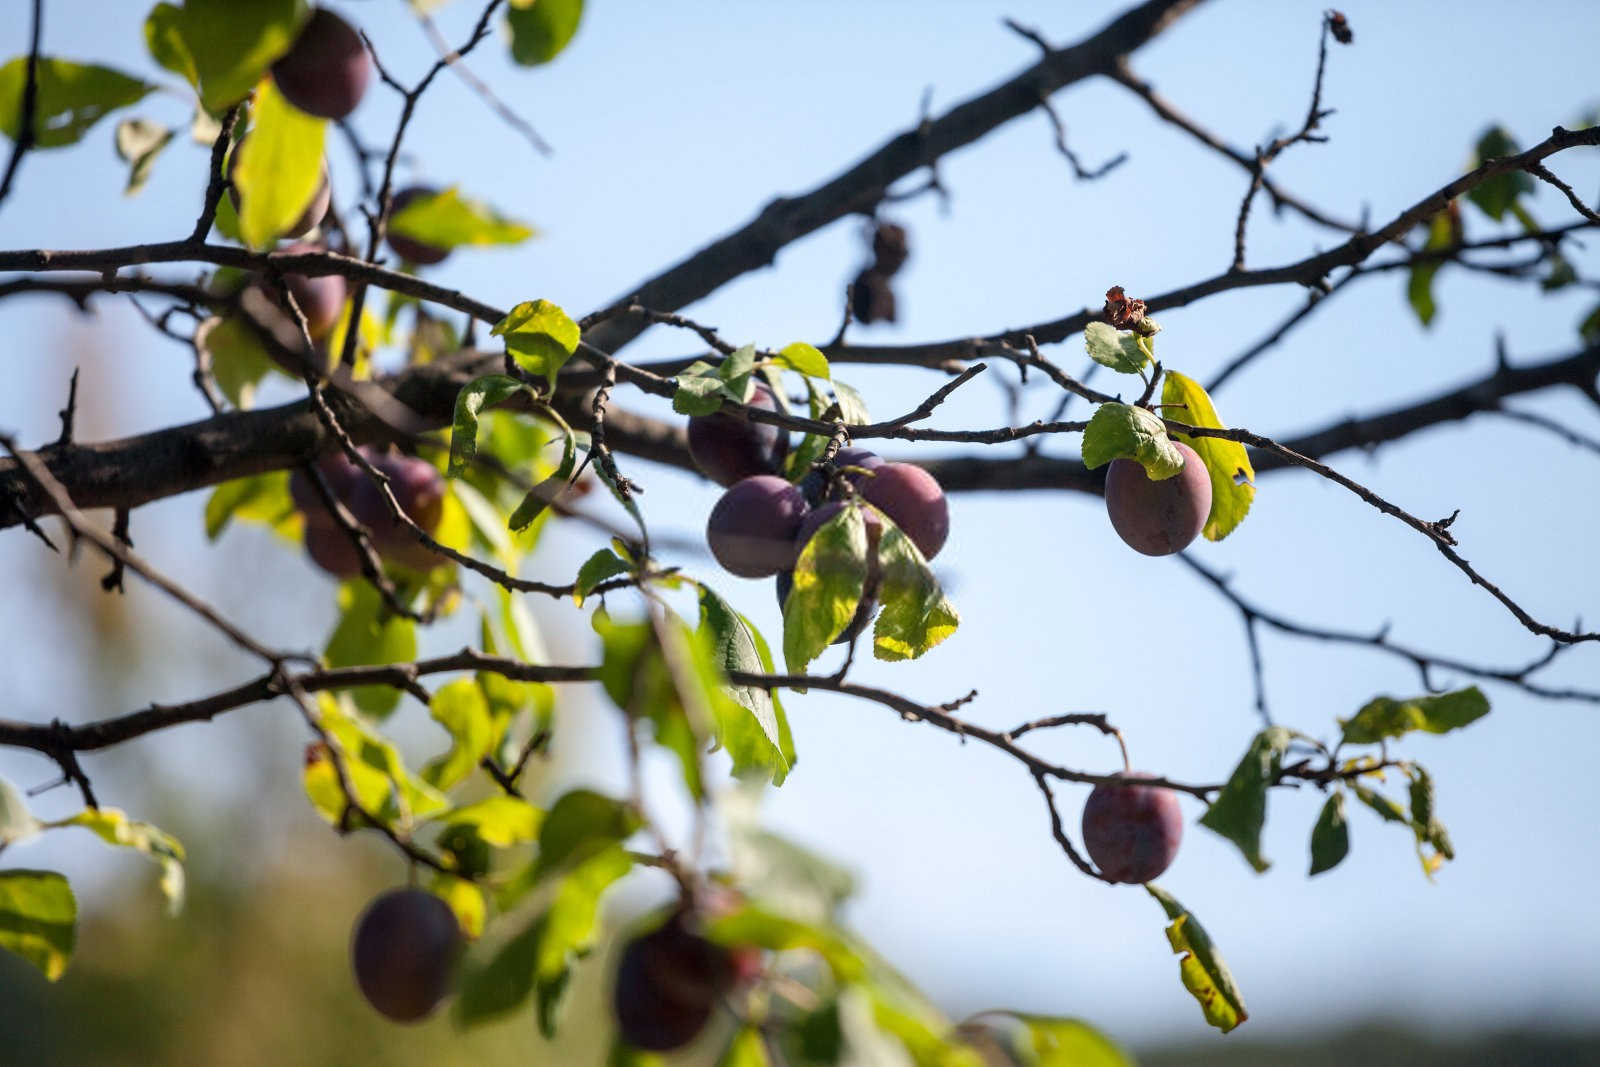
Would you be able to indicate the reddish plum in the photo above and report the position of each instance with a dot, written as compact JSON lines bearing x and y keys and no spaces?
{"x":912,"y":499}
{"x":326,"y":71}
{"x":1158,"y":518}
{"x":1132,"y":831}
{"x":752,"y":528}
{"x":727,"y":448}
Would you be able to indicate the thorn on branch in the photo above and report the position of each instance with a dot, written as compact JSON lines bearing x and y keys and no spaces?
{"x":69,"y":414}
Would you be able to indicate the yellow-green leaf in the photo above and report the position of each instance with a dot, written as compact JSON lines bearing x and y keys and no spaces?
{"x":1201,"y":968}
{"x":279,"y":168}
{"x":540,"y":29}
{"x":38,"y":919}
{"x":540,"y":336}
{"x":230,"y":44}
{"x":1232,"y":476}
{"x":447,"y":219}
{"x":115,"y":828}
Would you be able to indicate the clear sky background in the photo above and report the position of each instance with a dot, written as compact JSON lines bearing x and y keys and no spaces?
{"x":674,"y":124}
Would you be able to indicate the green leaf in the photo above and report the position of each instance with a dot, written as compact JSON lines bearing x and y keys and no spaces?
{"x":625,"y":1055}
{"x":745,"y":1050}
{"x":231,"y":45}
{"x":1057,"y":1042}
{"x":262,"y":498}
{"x":1122,"y":431}
{"x":1232,"y":476}
{"x":500,"y":820}
{"x":540,"y":957}
{"x":1419,"y":286}
{"x":1330,"y":837}
{"x":548,"y":489}
{"x":480,"y":393}
{"x":367,"y":634}
{"x":279,"y":167}
{"x":1240,"y":810}
{"x":1121,"y":350}
{"x":379,"y":779}
{"x":698,"y":394}
{"x":1433,"y":841}
{"x":751,"y":925}
{"x":163,"y":38}
{"x":138,"y":142}
{"x":750,"y":724}
{"x":571,"y":928}
{"x":1499,"y":194}
{"x":596,"y":569}
{"x":447,"y":219}
{"x":539,"y":336}
{"x":580,"y":824}
{"x":828,"y":580}
{"x":852,"y":409}
{"x":1385,"y":717}
{"x":926,"y":1040}
{"x":916,"y":614}
{"x":735,"y":372}
{"x":238,"y":359}
{"x":70,"y":98}
{"x":461,"y":708}
{"x":1204,"y":974}
{"x":540,"y":29}
{"x":499,"y":986}
{"x":635,"y":675}
{"x":465,"y":899}
{"x":38,"y":919}
{"x":1387,"y":809}
{"x":115,"y":828}
{"x":16,"y":821}
{"x":804,"y":358}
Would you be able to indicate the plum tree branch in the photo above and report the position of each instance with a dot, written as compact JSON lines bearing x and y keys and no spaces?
{"x":863,"y":185}
{"x":27,"y":131}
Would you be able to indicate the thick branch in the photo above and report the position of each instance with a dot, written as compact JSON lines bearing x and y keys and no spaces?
{"x":787,"y":219}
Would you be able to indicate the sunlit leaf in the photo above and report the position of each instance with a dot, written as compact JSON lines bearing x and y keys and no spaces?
{"x":279,"y":167}
{"x":446,"y":219}
{"x":540,"y":29}
{"x":1122,"y":431}
{"x":70,"y":98}
{"x":1232,"y":476}
{"x":1385,"y":717}
{"x":38,"y":919}
{"x":1200,"y":966}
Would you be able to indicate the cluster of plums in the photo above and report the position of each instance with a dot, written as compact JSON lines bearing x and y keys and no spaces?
{"x":1132,"y":830}
{"x":417,"y":486}
{"x":1158,"y":518}
{"x":759,"y":526}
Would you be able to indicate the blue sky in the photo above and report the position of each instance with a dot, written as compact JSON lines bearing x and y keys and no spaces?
{"x":674,"y":124}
